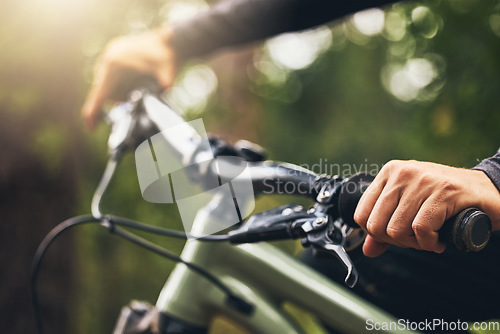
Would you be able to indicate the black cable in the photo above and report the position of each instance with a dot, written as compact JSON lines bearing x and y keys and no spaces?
{"x":56,"y":231}
{"x":232,"y":300}
{"x":162,"y":231}
{"x":163,"y":252}
{"x":110,"y":223}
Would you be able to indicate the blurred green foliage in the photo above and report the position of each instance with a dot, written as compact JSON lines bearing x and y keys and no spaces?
{"x":423,"y":86}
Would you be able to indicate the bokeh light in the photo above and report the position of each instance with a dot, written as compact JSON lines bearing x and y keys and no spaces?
{"x":193,"y":89}
{"x":298,"y":50}
{"x":369,"y":22}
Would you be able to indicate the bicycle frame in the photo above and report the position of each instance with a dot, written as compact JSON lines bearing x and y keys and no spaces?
{"x":265,"y":276}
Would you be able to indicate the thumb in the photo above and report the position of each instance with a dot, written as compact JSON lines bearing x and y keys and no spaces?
{"x":91,"y":107}
{"x":97,"y":95}
{"x":374,"y":248}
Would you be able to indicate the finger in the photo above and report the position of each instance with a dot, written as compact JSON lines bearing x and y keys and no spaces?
{"x":90,"y":107}
{"x":382,"y":212}
{"x":399,"y":228}
{"x":427,"y":222}
{"x":368,"y":200}
{"x":96,"y":97}
{"x":374,"y":248}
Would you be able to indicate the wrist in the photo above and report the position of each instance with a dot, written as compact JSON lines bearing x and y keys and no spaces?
{"x":488,"y":195}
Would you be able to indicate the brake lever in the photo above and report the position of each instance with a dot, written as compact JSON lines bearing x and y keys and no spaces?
{"x":321,"y":241}
{"x":129,"y":125}
{"x":121,"y":121}
{"x":316,"y":226}
{"x":333,"y":236}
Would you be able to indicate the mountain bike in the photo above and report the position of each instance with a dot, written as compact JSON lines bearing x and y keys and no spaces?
{"x":227,"y":267}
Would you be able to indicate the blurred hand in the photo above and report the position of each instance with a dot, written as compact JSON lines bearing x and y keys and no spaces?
{"x":127,"y":57}
{"x":409,"y":201}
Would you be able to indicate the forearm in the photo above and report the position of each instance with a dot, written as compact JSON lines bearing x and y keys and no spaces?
{"x":232,"y":23}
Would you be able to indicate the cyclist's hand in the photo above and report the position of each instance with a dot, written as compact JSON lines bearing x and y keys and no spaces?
{"x":409,"y":201}
{"x":147,"y":53}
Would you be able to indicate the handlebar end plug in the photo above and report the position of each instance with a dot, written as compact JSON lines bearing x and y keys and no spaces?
{"x":469,"y":231}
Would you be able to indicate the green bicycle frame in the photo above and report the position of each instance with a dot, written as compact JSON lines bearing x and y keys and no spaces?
{"x":266,"y":277}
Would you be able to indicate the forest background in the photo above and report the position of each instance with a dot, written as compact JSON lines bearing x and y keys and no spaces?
{"x":416,"y":80}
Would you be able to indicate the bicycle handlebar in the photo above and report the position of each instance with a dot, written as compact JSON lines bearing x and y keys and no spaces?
{"x":130,"y":128}
{"x":468,"y":231}
{"x":271,"y":177}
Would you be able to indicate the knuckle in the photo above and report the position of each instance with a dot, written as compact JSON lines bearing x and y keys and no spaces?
{"x":360,"y":218}
{"x":396,"y":233}
{"x":390,"y":166}
{"x":370,"y":227}
{"x":401,"y":170}
{"x":113,"y":50}
{"x":420,"y":229}
{"x":375,"y":229}
{"x":406,"y":171}
{"x":447,"y":186}
{"x":424,"y":180}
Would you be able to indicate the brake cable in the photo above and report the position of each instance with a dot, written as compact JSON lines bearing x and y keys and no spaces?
{"x":110,"y":223}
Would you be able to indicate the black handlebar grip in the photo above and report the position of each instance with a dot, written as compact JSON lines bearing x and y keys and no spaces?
{"x":350,"y":194}
{"x":468,"y":231}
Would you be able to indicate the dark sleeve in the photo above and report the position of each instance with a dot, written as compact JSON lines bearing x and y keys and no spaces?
{"x":491,"y":167}
{"x":232,"y":23}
